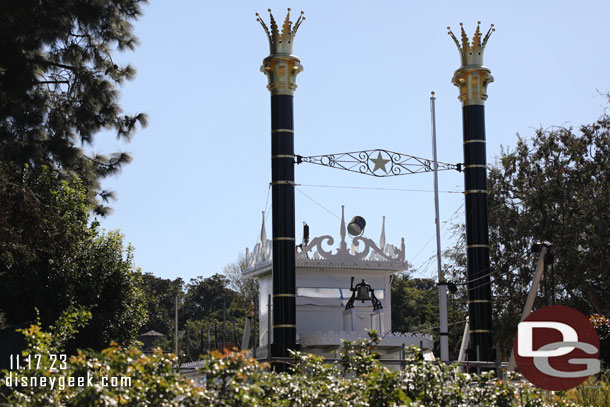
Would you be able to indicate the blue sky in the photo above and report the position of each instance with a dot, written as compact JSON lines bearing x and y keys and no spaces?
{"x":191,"y":201}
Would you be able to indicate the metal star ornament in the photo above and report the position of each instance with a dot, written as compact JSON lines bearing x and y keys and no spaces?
{"x":380,"y":163}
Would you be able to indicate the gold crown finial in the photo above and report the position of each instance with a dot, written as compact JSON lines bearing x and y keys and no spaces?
{"x":280,"y":43}
{"x":472,"y":77}
{"x":471,"y":53}
{"x":281,"y":66}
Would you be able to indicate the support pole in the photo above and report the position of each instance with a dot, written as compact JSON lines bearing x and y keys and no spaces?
{"x":245,"y":339}
{"x":256,"y":314}
{"x":176,"y":327}
{"x":281,"y":68}
{"x":465,"y":341}
{"x":472,"y":79}
{"x":269,"y":327}
{"x":531,"y":296}
{"x":442,"y":284}
{"x":224,"y":325}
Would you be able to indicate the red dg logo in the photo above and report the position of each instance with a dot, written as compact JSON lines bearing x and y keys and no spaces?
{"x":556,"y":348}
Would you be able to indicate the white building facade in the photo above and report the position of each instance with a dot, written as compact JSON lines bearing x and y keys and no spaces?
{"x":323,"y":288}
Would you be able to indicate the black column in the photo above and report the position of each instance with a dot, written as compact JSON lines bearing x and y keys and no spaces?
{"x":477,"y":237}
{"x":282,"y":191}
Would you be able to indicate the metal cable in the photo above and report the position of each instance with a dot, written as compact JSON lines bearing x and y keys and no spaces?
{"x":375,"y":188}
{"x":318,"y":203}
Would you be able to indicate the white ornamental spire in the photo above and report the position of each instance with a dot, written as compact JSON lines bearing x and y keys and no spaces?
{"x":343,"y":245}
{"x":263,"y":232}
{"x":382,"y":238}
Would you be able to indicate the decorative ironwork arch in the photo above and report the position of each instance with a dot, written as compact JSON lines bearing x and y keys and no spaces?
{"x":378,"y":163}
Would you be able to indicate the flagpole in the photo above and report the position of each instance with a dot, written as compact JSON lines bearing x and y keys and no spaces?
{"x":442,"y":284}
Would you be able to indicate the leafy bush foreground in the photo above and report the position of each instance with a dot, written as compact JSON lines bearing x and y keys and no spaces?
{"x":234,"y":379}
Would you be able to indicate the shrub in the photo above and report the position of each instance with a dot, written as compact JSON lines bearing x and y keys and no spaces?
{"x":235,"y":379}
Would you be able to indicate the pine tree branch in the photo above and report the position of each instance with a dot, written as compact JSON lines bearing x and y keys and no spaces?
{"x":57,"y":64}
{"x":48,"y":82}
{"x":111,"y":164}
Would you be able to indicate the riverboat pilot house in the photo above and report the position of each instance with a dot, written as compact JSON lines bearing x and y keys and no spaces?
{"x":340,"y":292}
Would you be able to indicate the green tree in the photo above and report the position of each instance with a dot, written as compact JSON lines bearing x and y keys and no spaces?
{"x":58,"y":86}
{"x":209,"y":303}
{"x":51,"y":259}
{"x":201,"y":304}
{"x":106,"y":282}
{"x":246,"y":287}
{"x":160,"y":302}
{"x":415,"y":309}
{"x":206,"y":297}
{"x":414,"y":304}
